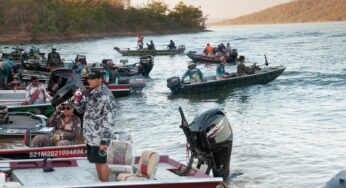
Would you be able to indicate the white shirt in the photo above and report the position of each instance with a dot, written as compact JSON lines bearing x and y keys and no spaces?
{"x":43,"y":94}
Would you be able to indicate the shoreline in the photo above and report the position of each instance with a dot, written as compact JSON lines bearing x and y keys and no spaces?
{"x":277,"y":23}
{"x":27,"y":38}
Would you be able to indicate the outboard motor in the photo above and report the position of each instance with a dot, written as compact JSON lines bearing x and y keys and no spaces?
{"x":81,"y":58}
{"x":137,"y":84}
{"x":63,"y":83}
{"x":181,"y":48}
{"x":233,"y":55}
{"x":210,"y":139}
{"x":174,"y":84}
{"x":147,"y":63}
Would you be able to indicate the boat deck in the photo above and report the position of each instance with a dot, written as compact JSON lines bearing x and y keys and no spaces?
{"x":79,"y":172}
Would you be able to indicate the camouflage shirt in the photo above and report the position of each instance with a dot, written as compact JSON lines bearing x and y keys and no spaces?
{"x":99,"y":117}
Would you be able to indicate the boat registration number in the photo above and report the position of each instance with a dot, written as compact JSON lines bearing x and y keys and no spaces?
{"x":11,"y":131}
{"x":58,"y":153}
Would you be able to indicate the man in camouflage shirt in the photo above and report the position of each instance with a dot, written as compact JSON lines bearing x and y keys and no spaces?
{"x":98,"y":122}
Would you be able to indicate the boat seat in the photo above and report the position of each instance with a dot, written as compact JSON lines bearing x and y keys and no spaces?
{"x":147,"y":166}
{"x":119,"y":157}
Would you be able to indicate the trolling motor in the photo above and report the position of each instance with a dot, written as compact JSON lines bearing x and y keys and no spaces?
{"x":210,"y":139}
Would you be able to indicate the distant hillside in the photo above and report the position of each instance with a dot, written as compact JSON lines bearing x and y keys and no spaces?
{"x":297,"y":11}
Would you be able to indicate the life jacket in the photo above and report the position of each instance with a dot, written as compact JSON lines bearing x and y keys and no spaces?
{"x":140,"y":41}
{"x":209,"y":49}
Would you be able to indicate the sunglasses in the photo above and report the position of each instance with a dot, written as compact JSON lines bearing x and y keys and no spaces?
{"x":67,"y":108}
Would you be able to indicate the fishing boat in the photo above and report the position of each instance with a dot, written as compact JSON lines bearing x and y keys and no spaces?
{"x":12,"y":96}
{"x":144,"y":52}
{"x":263,"y":76}
{"x":17,"y":123}
{"x":78,"y":172}
{"x":124,"y":69}
{"x":202,"y":58}
{"x":41,"y":109}
{"x":66,"y":166}
{"x":126,"y":86}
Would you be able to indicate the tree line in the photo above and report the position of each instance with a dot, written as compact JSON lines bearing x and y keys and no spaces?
{"x":73,"y":17}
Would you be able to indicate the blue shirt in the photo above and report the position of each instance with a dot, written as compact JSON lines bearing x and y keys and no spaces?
{"x":79,"y":71}
{"x":193,"y":74}
{"x":220,"y":70}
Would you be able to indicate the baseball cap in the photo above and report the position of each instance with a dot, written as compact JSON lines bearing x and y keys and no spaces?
{"x":95,"y":74}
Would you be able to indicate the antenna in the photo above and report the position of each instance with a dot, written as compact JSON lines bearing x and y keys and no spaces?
{"x":266,"y":61}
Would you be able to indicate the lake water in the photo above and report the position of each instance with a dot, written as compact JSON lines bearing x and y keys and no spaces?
{"x":288,"y":133}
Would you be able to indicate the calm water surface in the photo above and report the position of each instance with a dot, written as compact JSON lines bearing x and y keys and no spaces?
{"x":288,"y":133}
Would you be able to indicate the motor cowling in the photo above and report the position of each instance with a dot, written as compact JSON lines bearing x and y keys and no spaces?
{"x":62,"y":84}
{"x":147,"y":63}
{"x":174,"y":84}
{"x":137,"y":84}
{"x":210,"y":137}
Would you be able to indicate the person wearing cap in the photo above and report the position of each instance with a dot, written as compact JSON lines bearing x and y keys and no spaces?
{"x":67,"y":128}
{"x":193,"y":73}
{"x":107,"y":64}
{"x":54,"y":58}
{"x":111,"y":73}
{"x":220,"y":69}
{"x":140,"y":42}
{"x":151,"y":45}
{"x":36,"y":93}
{"x":241,"y":67}
{"x":228,"y":48}
{"x":85,"y":70}
{"x":98,"y":122}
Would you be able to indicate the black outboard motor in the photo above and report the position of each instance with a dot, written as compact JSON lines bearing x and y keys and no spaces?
{"x":210,"y":139}
{"x":233,"y":55}
{"x":147,"y":63}
{"x":174,"y":84}
{"x":81,"y":58}
{"x":63,"y":83}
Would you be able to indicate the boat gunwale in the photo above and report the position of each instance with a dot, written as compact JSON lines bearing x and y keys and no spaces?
{"x":279,"y":69}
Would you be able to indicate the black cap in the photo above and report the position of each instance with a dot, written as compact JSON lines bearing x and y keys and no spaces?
{"x":33,"y":78}
{"x":95,"y":74}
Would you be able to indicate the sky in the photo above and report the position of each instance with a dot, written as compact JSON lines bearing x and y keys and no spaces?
{"x":221,"y":9}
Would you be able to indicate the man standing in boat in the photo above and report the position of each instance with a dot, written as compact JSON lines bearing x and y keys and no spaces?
{"x":140,"y":42}
{"x":54,"y":58}
{"x":98,"y":123}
